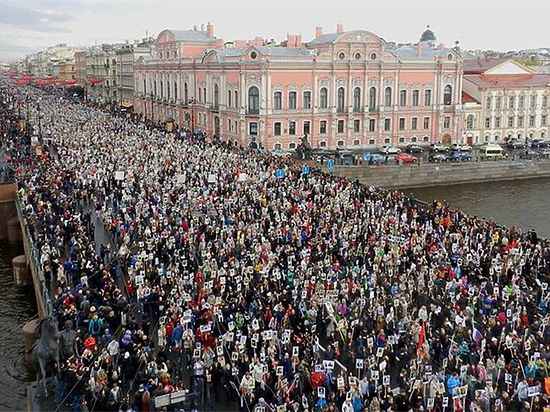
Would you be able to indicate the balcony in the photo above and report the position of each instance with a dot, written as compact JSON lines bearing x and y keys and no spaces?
{"x":214,"y":108}
{"x":253,"y":112}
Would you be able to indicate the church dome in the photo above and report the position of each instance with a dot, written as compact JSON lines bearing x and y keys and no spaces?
{"x":428,"y":35}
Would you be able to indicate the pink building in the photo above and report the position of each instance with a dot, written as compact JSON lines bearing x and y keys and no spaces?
{"x":343,"y":89}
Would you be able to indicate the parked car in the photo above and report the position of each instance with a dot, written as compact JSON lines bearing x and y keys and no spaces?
{"x":460,"y":156}
{"x":438,"y":157}
{"x":538,"y":144}
{"x":515,"y":144}
{"x":374,"y":158}
{"x":390,"y":150}
{"x":438,"y":148}
{"x":492,"y":152}
{"x":461,"y":147}
{"x":414,"y":148}
{"x":406,"y":158}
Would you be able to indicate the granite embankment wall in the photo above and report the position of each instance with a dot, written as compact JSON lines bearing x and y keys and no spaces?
{"x":427,"y":175}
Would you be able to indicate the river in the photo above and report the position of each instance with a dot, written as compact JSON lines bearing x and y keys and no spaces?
{"x":17,"y":306}
{"x":525,"y":203}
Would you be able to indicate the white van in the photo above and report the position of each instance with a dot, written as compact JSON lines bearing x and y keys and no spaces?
{"x":492,"y":152}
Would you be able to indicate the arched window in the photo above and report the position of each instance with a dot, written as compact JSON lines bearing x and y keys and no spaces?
{"x":470,"y":122}
{"x":387,"y":96}
{"x":278,"y":101}
{"x":341,"y":100}
{"x":168,"y":90}
{"x":229,"y":98}
{"x":144,"y":87}
{"x":254,"y":100}
{"x":161,"y":90}
{"x":216,"y":96}
{"x":447,"y":95}
{"x":236,"y":99}
{"x":175,"y":90}
{"x":155,"y":87}
{"x":323,"y":98}
{"x":372,"y":98}
{"x":357,"y":99}
{"x":403,"y":98}
{"x":186,"y":93}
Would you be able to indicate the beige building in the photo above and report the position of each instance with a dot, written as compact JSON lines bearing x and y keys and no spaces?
{"x":503,"y":99}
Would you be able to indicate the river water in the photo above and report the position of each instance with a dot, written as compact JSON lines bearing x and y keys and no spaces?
{"x":525,"y":203}
{"x":17,"y":306}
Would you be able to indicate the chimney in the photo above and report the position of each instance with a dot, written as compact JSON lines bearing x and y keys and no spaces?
{"x":318,"y":32}
{"x":339,"y":28}
{"x":210,"y":29}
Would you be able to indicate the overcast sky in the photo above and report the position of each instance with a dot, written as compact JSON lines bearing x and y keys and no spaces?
{"x":30,"y":25}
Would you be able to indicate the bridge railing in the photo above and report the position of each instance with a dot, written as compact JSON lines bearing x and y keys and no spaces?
{"x":43,"y":296}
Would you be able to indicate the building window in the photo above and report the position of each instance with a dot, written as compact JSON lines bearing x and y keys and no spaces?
{"x":511,"y":121}
{"x":323,"y":144}
{"x":415,"y":97}
{"x":292,"y":145}
{"x":254,"y":100}
{"x":414,"y":123}
{"x":427,"y":97}
{"x":387,"y":96}
{"x":307,"y":128}
{"x":277,"y":129}
{"x":278,"y":101}
{"x":544,"y":101}
{"x":372,"y":98}
{"x":487,"y":122}
{"x":470,"y":122}
{"x":204,"y":94}
{"x":373,"y":56}
{"x":372,"y":125}
{"x":426,"y":123}
{"x":533,"y":101}
{"x":498,"y":102}
{"x":488,"y":103}
{"x":511,"y":102}
{"x":277,"y":146}
{"x":521,"y":103}
{"x":253,"y":128}
{"x":186,"y":93}
{"x":236,"y":99}
{"x":229,"y":98}
{"x":520,"y":121}
{"x":292,"y":128}
{"x":144,"y":87}
{"x":323,"y":97}
{"x":229,"y":125}
{"x":387,"y":140}
{"x":401,"y":123}
{"x":356,"y":142}
{"x":323,"y":127}
{"x":531,"y":121}
{"x":414,"y":139}
{"x":292,"y":100}
{"x":161,"y":89}
{"x":341,"y":100}
{"x":401,"y":140}
{"x":543,"y":120}
{"x":356,"y":126}
{"x":341,"y":55}
{"x":497,"y":122}
{"x":447,"y":95}
{"x":340,"y":126}
{"x":357,"y":99}
{"x":307,"y":100}
{"x":371,"y":141}
{"x":340,"y":143}
{"x":446,"y":122}
{"x":387,"y":125}
{"x":216,"y":96}
{"x":403,"y":98}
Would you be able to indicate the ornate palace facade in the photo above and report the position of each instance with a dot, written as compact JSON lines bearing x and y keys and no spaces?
{"x":343,"y":89}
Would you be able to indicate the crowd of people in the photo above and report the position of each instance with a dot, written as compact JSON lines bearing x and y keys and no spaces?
{"x":244,"y":281}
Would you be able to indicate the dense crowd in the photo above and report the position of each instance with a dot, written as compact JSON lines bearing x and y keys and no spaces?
{"x":257,"y":283}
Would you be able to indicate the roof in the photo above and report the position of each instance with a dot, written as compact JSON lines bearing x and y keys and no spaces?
{"x":427,"y":35}
{"x":285,"y":51}
{"x":509,"y":81}
{"x":420,"y":52}
{"x":191,"y":36}
{"x":479,"y":65}
{"x":466,"y":98}
{"x":324,"y":39}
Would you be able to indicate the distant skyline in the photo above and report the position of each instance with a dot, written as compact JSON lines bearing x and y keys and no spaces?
{"x":33,"y":25}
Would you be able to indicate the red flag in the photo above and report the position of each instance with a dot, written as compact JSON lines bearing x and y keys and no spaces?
{"x":421,"y":337}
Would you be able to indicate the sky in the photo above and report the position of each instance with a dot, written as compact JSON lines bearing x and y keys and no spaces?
{"x":27,"y":26}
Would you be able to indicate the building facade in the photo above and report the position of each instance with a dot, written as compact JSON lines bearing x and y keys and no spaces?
{"x":80,"y":67}
{"x":126,"y":57}
{"x":101,"y":74}
{"x":504,"y":100}
{"x":344,"y":89}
